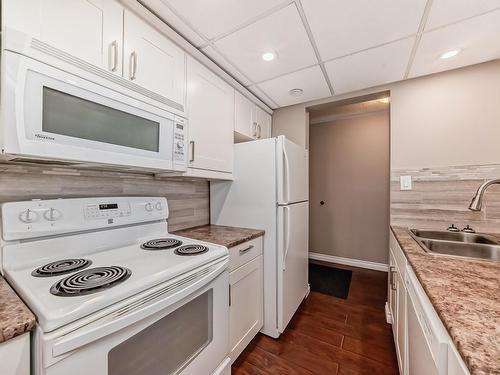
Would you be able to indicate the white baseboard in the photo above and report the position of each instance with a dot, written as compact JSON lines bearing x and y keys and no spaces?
{"x":349,"y":262}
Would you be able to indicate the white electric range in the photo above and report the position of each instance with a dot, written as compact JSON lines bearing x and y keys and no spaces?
{"x":113,"y":292}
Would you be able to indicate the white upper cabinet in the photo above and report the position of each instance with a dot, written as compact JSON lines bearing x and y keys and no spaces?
{"x":244,"y":116}
{"x":263,"y":121}
{"x":153,"y":61}
{"x":251,"y":122}
{"x":88,"y":29}
{"x":210,"y":108}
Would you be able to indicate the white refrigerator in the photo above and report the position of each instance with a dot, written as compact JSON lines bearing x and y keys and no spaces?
{"x":270,"y":191}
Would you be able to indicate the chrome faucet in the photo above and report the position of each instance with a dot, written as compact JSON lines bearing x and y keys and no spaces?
{"x":477,"y":201}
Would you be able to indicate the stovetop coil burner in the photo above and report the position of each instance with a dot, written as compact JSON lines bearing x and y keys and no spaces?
{"x":191,"y":250}
{"x":61,"y":267}
{"x":161,"y":244}
{"x":90,"y":281}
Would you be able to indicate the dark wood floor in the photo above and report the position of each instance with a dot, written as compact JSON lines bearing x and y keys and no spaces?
{"x":330,"y":335}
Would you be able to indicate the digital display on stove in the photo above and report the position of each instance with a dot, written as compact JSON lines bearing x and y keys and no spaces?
{"x":108,"y":206}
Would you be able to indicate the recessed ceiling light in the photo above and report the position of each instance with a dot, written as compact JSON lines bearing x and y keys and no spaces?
{"x":268,"y":56}
{"x":296,"y":92}
{"x":449,"y":54}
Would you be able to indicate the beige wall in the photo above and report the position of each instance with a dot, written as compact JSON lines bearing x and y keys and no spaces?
{"x":293,"y":122}
{"x":188,"y":200}
{"x":445,"y":119}
{"x":349,"y":170}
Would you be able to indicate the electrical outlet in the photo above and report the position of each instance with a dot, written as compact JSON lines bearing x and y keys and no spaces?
{"x":405,"y":182}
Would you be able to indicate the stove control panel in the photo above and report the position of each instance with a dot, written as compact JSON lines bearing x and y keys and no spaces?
{"x":107,"y":210}
{"x":39,"y":218}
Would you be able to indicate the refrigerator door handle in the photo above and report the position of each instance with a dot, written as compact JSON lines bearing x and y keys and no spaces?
{"x":287,"y":236}
{"x":287,"y":178}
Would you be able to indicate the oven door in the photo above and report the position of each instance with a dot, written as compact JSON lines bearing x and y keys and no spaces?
{"x":179,"y":328}
{"x":53,"y":114}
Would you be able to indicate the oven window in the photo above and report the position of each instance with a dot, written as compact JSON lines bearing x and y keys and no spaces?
{"x":168,"y":345}
{"x":71,"y":116}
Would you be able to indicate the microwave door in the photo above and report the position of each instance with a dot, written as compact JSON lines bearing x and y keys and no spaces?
{"x":55,"y":115}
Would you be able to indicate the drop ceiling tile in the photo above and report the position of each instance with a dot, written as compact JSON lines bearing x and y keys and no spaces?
{"x":162,"y":10}
{"x":370,"y":68}
{"x":478,"y":38}
{"x":282,"y":33}
{"x":344,"y":27}
{"x":310,"y":80}
{"x":215,"y":17}
{"x":224,"y":64}
{"x":444,"y":12}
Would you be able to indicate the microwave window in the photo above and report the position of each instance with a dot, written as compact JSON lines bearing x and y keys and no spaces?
{"x":71,"y":116}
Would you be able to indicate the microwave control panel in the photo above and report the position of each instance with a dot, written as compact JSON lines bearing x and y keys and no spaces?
{"x":180,"y":149}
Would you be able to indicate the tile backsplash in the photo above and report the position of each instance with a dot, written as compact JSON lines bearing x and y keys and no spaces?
{"x":188,"y":199}
{"x":441,"y":196}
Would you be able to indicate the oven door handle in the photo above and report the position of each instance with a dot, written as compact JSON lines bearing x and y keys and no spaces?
{"x":164,"y":296}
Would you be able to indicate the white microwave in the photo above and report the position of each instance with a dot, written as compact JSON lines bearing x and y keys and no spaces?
{"x":54,"y":114}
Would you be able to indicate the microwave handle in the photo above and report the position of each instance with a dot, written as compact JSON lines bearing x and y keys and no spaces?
{"x":133,"y":65}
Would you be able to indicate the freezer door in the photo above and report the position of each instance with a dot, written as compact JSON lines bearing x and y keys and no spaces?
{"x":292,"y":172}
{"x":293,"y":226}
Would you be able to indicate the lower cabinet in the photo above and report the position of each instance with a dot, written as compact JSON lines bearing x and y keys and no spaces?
{"x":15,"y":356}
{"x":246,"y":295}
{"x":422,"y":343}
{"x":397,"y":295}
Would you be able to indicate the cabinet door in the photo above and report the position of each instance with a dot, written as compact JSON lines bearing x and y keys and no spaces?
{"x":88,"y":29}
{"x":153,"y":61}
{"x":246,"y":306}
{"x":210,"y":107}
{"x":401,"y":320}
{"x":244,"y":116}
{"x":263,"y":120}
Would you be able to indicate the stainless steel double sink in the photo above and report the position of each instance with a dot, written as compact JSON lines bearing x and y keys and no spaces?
{"x":471,"y":245}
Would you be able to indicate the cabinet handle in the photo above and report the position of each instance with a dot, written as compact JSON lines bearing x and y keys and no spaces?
{"x":133,"y":65}
{"x":390,"y":275}
{"x":243,"y":251}
{"x":113,"y":52}
{"x":392,"y":271}
{"x":229,"y":294}
{"x":260,"y":131}
{"x":192,"y":151}
{"x":255,"y":129}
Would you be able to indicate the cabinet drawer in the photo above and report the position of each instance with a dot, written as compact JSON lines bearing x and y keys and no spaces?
{"x":244,"y":252}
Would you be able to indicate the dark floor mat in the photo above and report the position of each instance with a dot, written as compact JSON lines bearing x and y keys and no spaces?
{"x":329,"y":280}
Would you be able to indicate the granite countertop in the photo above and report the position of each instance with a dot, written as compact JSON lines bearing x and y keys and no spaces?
{"x":466,"y":295}
{"x":15,"y":317}
{"x":221,"y":235}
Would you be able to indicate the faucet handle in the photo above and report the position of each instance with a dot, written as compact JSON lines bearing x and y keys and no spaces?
{"x":453,"y":228}
{"x":468,"y":229}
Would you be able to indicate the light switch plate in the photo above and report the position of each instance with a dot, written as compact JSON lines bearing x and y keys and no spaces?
{"x":405,"y":182}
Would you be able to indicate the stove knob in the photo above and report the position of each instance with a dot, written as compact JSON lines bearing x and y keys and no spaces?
{"x":158,"y":206}
{"x":148,"y":207}
{"x":28,"y":216}
{"x":52,"y":214}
